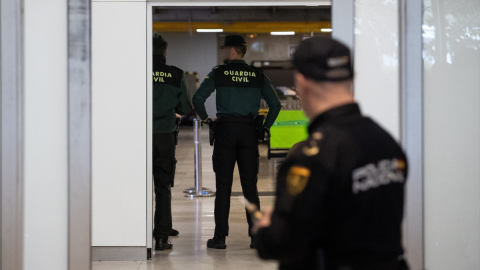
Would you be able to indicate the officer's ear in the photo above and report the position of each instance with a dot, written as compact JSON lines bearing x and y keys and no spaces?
{"x":300,"y":83}
{"x":232,"y":52}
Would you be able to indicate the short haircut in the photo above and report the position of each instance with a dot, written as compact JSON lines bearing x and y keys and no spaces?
{"x":240,"y":50}
{"x":159,"y":45}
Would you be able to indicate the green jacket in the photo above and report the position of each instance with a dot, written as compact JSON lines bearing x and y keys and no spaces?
{"x":240,"y":88}
{"x":170,"y":95}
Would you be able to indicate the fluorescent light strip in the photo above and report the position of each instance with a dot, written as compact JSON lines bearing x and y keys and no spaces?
{"x":209,"y":30}
{"x":326,"y":29}
{"x":285,"y":33}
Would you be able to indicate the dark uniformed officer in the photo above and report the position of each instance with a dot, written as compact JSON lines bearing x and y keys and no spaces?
{"x":340,"y":194}
{"x":170,"y":96}
{"x":240,"y":88}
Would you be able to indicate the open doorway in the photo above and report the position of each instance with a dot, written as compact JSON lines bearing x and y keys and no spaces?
{"x":194,"y":34}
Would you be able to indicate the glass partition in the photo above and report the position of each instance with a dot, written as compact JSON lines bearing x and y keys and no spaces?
{"x":451,"y":36}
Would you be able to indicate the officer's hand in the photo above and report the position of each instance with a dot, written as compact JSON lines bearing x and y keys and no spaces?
{"x":264,"y":221}
{"x":263,"y":134}
{"x":208,"y":120}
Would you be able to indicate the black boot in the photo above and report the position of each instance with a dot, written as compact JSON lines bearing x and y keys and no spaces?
{"x":216,"y":242}
{"x":161,"y":244}
{"x":252,"y":242}
{"x":173,"y":232}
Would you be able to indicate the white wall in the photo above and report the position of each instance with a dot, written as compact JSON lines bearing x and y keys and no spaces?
{"x":45,"y":135}
{"x":119,"y":124}
{"x":196,"y":52}
{"x":376,"y":62}
{"x":452,"y":134}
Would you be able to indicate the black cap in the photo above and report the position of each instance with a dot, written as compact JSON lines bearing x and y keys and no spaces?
{"x":159,"y":44}
{"x":233,"y":40}
{"x":323,"y":59}
{"x":158,"y":39}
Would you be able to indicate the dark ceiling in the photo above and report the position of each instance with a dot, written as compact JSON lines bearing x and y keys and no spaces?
{"x":244,"y":14}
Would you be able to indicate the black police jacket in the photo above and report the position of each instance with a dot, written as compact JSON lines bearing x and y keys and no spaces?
{"x":339,"y":198}
{"x":170,"y":95}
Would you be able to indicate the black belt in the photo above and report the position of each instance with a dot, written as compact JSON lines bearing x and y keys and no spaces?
{"x":248,"y":119}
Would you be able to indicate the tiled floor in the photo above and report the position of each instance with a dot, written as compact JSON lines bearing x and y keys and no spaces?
{"x":194,"y":219}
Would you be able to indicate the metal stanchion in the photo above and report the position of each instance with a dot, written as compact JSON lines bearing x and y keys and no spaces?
{"x":198,"y":190}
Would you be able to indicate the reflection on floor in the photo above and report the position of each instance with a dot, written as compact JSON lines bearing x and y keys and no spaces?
{"x":194,"y":219}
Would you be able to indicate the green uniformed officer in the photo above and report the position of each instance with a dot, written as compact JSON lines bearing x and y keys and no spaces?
{"x":340,"y":193}
{"x":240,"y":88}
{"x":170,"y":96}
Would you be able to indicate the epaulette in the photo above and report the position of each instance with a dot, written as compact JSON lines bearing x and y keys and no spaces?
{"x":215,"y":67}
{"x":312,"y":146}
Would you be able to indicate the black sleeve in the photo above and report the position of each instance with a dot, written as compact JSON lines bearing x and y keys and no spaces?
{"x":297,"y":219}
{"x":184,"y":104}
{"x":271,"y":97}
{"x":206,"y":89}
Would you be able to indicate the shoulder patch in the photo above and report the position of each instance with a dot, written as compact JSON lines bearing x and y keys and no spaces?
{"x":297,"y":179}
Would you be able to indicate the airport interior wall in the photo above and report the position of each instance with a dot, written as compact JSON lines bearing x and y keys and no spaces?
{"x":119,"y":128}
{"x":451,"y":36}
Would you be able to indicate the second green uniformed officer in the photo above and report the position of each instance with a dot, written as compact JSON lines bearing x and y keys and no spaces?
{"x":240,"y":88}
{"x":340,"y":193}
{"x":170,"y":96}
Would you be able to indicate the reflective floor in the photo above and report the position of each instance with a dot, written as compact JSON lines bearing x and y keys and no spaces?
{"x":194,"y":219}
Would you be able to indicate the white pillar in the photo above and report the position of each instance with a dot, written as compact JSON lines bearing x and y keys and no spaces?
{"x":45,"y":135}
{"x":119,"y":130}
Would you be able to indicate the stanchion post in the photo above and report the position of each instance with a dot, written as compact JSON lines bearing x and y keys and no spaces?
{"x":198,"y":190}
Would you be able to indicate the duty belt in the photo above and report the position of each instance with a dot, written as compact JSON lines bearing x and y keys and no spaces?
{"x":248,"y":119}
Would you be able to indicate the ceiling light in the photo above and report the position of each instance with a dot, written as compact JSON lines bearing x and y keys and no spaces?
{"x":209,"y":30}
{"x":284,"y":33}
{"x":326,"y":29}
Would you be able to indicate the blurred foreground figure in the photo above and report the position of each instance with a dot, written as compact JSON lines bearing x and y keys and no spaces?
{"x":340,"y":193}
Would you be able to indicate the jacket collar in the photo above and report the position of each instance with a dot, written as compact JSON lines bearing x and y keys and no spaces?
{"x":159,"y":59}
{"x":336,"y":113}
{"x":237,"y":61}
